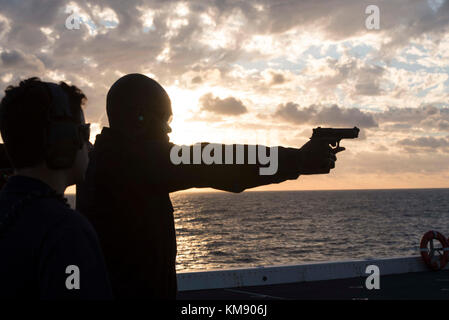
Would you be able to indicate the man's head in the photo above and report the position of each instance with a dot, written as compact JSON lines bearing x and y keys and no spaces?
{"x":138,"y":106}
{"x":42,"y":126}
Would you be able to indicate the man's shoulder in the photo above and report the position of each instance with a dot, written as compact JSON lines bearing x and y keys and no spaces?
{"x":58,"y":215}
{"x":44,"y":217}
{"x":108,"y":159}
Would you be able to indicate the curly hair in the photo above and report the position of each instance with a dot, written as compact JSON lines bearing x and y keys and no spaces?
{"x":23,"y":119}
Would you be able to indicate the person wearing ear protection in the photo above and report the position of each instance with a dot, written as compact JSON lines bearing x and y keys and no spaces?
{"x":47,"y":249}
{"x":129,"y":178}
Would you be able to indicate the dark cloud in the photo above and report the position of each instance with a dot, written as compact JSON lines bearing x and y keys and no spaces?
{"x":425,"y":144}
{"x":428,"y":117}
{"x":197,"y":80}
{"x":400,"y":20}
{"x":420,"y":22}
{"x":11,"y":58}
{"x":228,"y":106}
{"x":406,"y":114}
{"x":16,"y":60}
{"x":277,"y":78}
{"x":325,"y":116}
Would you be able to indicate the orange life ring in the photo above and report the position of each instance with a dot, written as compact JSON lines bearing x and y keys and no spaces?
{"x":435,"y":262}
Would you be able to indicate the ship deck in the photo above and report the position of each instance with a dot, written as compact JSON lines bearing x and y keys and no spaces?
{"x":398,"y":278}
{"x":432,"y":285}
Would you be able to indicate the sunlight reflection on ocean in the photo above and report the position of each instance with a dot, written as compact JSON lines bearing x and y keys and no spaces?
{"x":225,"y":230}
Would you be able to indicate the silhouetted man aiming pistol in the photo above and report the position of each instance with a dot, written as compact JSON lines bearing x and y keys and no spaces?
{"x":133,"y":167}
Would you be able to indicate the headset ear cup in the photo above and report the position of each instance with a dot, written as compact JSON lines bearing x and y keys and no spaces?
{"x":62,"y":139}
{"x":62,"y":144}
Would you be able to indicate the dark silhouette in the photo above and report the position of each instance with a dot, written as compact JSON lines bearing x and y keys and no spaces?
{"x":5,"y":166}
{"x":41,"y":238}
{"x":130,"y":175}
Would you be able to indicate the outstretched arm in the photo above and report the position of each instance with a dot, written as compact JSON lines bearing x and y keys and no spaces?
{"x":231,"y":168}
{"x":235,"y":167}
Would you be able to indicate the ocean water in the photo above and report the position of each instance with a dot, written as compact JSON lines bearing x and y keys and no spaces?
{"x":225,"y":230}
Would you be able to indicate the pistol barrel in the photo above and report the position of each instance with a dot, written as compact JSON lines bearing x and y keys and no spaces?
{"x":337,"y":134}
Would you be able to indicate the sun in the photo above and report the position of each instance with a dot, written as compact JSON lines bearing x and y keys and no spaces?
{"x":187,"y":129}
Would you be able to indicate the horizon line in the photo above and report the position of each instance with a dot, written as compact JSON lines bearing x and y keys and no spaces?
{"x":298,"y":190}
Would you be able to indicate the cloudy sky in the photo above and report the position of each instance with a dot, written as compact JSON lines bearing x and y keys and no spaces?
{"x":261,"y":71}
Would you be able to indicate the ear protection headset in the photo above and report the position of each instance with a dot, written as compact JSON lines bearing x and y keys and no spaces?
{"x":63,"y":136}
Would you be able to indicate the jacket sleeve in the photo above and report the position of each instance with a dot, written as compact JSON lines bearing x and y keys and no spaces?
{"x":178,"y":169}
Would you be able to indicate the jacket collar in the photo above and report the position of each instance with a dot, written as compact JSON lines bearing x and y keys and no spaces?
{"x":23,"y":184}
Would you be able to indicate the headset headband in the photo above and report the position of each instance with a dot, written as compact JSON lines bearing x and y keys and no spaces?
{"x":60,"y":107}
